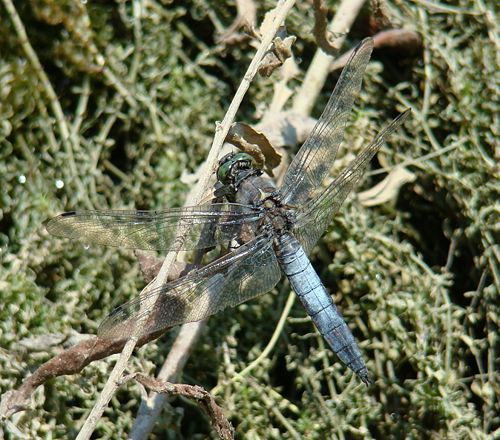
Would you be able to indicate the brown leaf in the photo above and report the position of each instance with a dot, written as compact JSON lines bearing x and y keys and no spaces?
{"x":280,"y":51}
{"x":150,"y":264}
{"x":256,"y":144}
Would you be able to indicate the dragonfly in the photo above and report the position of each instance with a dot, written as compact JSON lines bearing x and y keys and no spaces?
{"x":270,"y":230}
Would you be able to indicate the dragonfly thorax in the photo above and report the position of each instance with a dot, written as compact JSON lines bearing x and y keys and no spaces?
{"x":277,"y":215}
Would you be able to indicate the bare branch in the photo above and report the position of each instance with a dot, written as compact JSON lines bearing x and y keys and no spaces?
{"x":403,"y":40}
{"x":195,"y":392}
{"x":320,"y":65}
{"x":319,"y":30}
{"x":70,"y":361}
{"x":246,"y":19}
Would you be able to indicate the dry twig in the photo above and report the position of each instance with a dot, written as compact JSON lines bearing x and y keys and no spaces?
{"x":70,"y":361}
{"x":319,"y":30}
{"x":403,"y":40}
{"x":246,"y":19}
{"x":320,"y":65}
{"x":202,"y":396}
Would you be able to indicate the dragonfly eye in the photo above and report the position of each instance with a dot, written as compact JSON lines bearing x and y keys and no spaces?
{"x":230,"y":164}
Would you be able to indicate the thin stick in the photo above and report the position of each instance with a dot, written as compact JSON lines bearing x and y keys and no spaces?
{"x":222,"y":426}
{"x":320,"y":64}
{"x":280,"y":12}
{"x":272,"y":342}
{"x":150,"y":408}
{"x":268,"y":348}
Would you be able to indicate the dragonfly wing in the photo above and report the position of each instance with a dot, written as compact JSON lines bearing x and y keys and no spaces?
{"x":313,"y":162}
{"x":250,"y":270}
{"x":315,"y":216}
{"x":198,"y":227}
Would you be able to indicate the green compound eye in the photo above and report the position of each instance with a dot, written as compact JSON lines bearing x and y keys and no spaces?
{"x":223,"y":171}
{"x":230,"y":162}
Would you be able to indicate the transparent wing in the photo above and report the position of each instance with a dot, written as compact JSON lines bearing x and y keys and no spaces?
{"x":250,"y":270}
{"x":315,"y":216}
{"x":313,"y":162}
{"x":199,"y":227}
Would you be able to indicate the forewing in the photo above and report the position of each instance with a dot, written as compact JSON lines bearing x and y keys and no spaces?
{"x":195,"y":227}
{"x":316,"y":215}
{"x":314,"y":160}
{"x":250,"y":270}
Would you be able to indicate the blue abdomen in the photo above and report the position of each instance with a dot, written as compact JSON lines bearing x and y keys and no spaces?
{"x":319,"y":304}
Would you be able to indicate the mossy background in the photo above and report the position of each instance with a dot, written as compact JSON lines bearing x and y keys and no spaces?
{"x":417,"y":279}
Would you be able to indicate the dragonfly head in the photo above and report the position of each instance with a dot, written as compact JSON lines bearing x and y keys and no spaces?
{"x":231,"y":164}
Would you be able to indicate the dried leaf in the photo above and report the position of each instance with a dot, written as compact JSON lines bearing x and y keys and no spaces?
{"x":280,"y":51}
{"x":150,"y":264}
{"x":256,"y":144}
